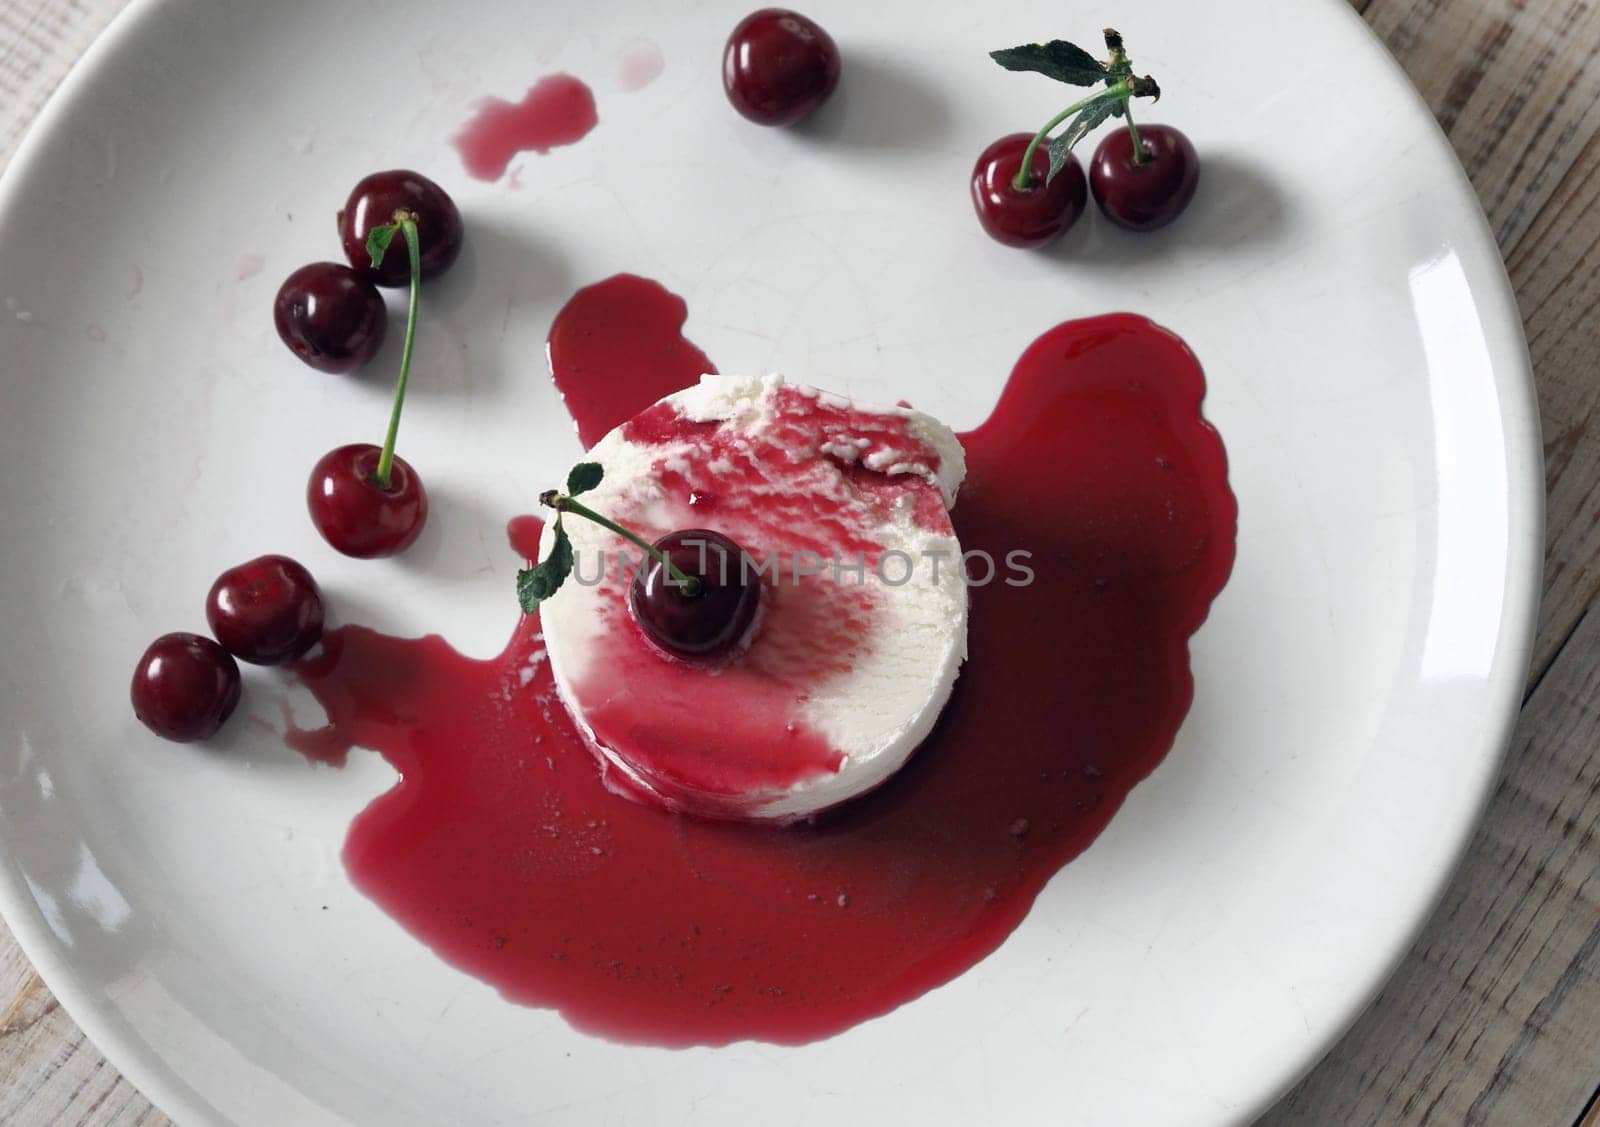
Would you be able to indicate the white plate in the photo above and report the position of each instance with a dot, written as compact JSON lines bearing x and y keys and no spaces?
{"x":1355,"y":684}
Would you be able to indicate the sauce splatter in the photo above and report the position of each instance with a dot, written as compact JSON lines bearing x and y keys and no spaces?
{"x":640,"y":66}
{"x":557,"y":110}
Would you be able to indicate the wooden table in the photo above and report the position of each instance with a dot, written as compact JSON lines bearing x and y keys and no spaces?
{"x":1495,"y":1015}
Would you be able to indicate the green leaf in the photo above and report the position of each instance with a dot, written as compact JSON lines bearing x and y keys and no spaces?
{"x":584,"y":477}
{"x":1076,"y":130}
{"x":378,"y":240}
{"x":538,"y":583}
{"x":559,"y":561}
{"x":528,"y":580}
{"x":1058,"y":59}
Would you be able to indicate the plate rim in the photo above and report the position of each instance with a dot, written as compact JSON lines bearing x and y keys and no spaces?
{"x":1514,"y":382}
{"x":136,"y":1062}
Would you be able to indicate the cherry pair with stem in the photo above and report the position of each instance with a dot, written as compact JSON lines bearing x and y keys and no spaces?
{"x":364,"y":499}
{"x":1028,"y":193}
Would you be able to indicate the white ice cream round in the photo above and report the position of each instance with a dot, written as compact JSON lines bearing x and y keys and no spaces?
{"x":857,"y":659}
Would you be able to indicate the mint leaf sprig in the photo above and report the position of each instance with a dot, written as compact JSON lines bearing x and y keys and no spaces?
{"x":536,"y":584}
{"x":378,"y":240}
{"x":1069,"y":63}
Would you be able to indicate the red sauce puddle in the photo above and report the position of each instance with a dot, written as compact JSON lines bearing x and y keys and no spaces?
{"x":616,"y":347}
{"x":557,"y":110}
{"x":502,"y":851}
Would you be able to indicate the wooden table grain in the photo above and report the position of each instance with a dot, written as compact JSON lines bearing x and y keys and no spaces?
{"x":1494,"y":1017}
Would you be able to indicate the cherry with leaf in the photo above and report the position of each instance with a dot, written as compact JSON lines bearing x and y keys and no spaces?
{"x":692,"y":595}
{"x":1028,"y":189}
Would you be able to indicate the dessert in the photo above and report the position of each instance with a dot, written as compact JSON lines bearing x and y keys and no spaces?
{"x":752,"y":606}
{"x":502,"y":849}
{"x":836,"y":514}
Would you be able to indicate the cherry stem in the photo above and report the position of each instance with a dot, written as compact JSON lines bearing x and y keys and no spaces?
{"x":1139,"y":155}
{"x":407,"y":222}
{"x":561,"y":503}
{"x":1023,"y":180}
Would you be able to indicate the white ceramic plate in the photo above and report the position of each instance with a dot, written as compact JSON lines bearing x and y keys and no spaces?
{"x":1355,"y":684}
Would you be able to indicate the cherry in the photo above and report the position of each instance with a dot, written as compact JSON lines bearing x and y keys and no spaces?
{"x":779,"y":66}
{"x":184,"y":687}
{"x":1031,"y":216}
{"x":358,"y":516}
{"x":330,"y":316}
{"x":373,"y":203}
{"x":267,"y":611}
{"x":1151,"y":193}
{"x":704,"y":620}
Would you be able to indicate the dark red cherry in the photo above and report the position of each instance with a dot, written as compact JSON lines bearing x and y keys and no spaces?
{"x":267,"y":611}
{"x":779,"y":66}
{"x":374,"y":201}
{"x":708,"y":619}
{"x":358,"y":516}
{"x":330,"y":316}
{"x":184,"y":687}
{"x":1028,"y":217}
{"x":1152,"y":193}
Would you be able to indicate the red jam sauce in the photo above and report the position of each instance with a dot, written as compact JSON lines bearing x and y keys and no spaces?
{"x":502,"y":851}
